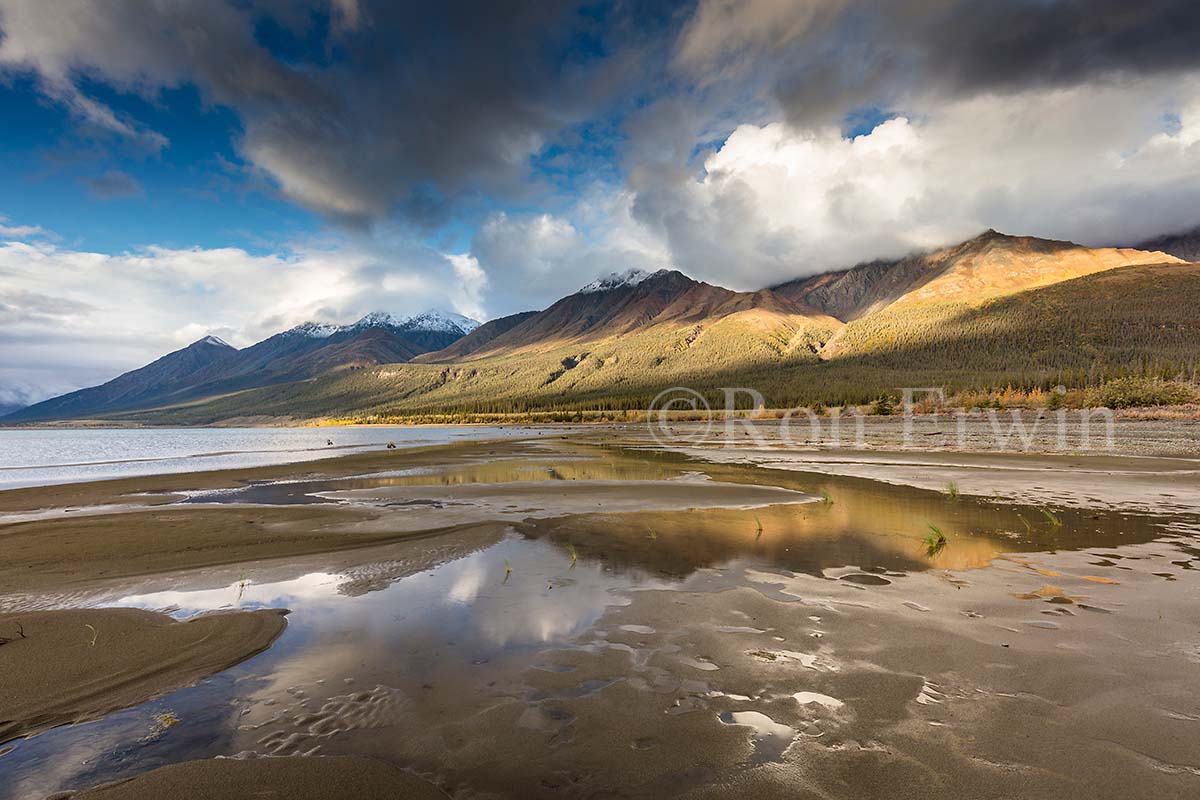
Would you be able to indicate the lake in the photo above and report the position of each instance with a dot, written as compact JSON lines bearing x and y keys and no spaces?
{"x":43,"y":457}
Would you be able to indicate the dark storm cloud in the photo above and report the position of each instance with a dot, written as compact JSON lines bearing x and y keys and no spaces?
{"x":827,"y":58}
{"x":355,"y":110}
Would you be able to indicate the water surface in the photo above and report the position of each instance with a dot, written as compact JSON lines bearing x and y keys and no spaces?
{"x":42,"y":456}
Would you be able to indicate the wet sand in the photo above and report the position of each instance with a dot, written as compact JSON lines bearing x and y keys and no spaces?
{"x":561,"y":618}
{"x":1147,"y":465}
{"x":69,"y":666}
{"x":282,"y":778}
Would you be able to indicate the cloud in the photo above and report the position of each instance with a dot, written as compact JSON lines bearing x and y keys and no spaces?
{"x":113,"y":185}
{"x":410,"y":109}
{"x":71,"y":318}
{"x":564,"y":140}
{"x":20,"y":231}
{"x":823,"y":59}
{"x":1098,"y":164}
{"x":532,"y":260}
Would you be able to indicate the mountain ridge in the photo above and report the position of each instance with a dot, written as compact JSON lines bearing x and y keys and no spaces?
{"x":211,"y":367}
{"x":637,"y":328}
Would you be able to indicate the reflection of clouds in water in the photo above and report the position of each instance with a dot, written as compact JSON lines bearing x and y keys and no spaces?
{"x":466,"y":586}
{"x":522,"y":610}
{"x":315,"y":586}
{"x":526,"y":610}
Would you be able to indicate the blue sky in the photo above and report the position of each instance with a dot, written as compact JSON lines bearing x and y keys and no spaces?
{"x":195,"y":192}
{"x":240,"y":166}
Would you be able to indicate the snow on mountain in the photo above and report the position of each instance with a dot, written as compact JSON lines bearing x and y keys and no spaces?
{"x":439,"y":320}
{"x":434,"y":320}
{"x":216,"y":341}
{"x":619,"y":280}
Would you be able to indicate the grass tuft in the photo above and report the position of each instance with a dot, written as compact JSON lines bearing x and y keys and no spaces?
{"x":934,"y":541}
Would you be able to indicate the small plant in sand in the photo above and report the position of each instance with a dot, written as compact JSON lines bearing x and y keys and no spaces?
{"x":1054,"y":521}
{"x":758,"y":525}
{"x":934,"y":541}
{"x":95,"y":634}
{"x":952,"y":490}
{"x":826,"y":497}
{"x":574,"y":555}
{"x":652,"y":533}
{"x":1025,"y":522}
{"x":507,"y":570}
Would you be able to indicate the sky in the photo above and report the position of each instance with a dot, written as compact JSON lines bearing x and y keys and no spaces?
{"x":174,"y":169}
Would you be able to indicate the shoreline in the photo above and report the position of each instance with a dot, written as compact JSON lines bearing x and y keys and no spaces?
{"x":1134,"y":436}
{"x":590,"y":417}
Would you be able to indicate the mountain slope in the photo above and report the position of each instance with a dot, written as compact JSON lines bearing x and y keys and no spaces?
{"x":133,"y":389}
{"x":479,"y":338}
{"x":1185,"y":245}
{"x":210,"y":368}
{"x":628,"y":304}
{"x":943,"y":285}
{"x":990,"y":265}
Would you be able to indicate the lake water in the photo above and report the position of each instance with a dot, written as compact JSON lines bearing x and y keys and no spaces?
{"x":45,"y":457}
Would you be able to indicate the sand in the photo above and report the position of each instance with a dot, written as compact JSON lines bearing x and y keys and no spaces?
{"x":264,"y":778}
{"x":517,"y":501}
{"x":64,"y":553}
{"x":69,"y":666}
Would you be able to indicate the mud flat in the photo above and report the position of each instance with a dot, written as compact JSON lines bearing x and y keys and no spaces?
{"x":581,"y":618}
{"x":71,"y":666}
{"x":292,"y":778}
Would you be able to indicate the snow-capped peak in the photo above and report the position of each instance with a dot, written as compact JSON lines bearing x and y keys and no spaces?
{"x":440,"y":320}
{"x":316,"y":330}
{"x":432,"y":320}
{"x":619,"y":280}
{"x":216,"y":341}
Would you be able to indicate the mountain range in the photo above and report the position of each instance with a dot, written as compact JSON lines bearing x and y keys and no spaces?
{"x":210,"y":367}
{"x":992,"y":311}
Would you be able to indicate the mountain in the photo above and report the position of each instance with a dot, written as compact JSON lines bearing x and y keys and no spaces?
{"x":629,"y":304}
{"x":480,"y":337}
{"x":990,"y":265}
{"x":139,"y":387}
{"x":1185,"y":245}
{"x":210,"y":367}
{"x":995,"y":310}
